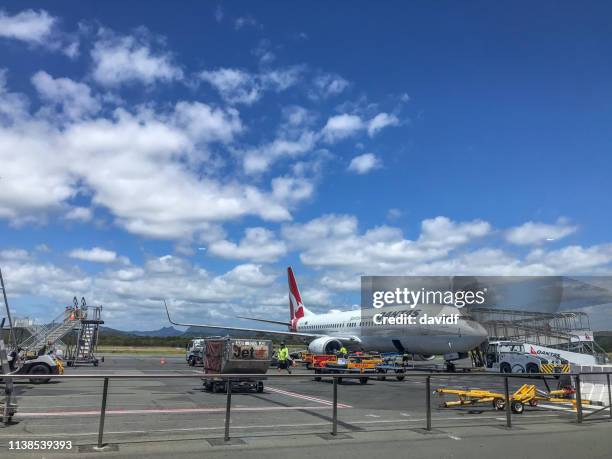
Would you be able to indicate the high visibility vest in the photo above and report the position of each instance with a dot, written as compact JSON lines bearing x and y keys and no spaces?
{"x":283,"y":354}
{"x":343,"y":350}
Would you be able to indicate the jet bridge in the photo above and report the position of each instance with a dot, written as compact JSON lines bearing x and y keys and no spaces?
{"x":570,"y":331}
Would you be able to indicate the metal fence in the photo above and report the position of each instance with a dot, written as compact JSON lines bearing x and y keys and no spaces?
{"x":427,"y":376}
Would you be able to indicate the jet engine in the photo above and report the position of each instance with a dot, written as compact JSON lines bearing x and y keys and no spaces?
{"x":324,"y":345}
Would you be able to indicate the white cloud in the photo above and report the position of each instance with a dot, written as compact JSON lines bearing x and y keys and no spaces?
{"x":95,"y":255}
{"x":263,"y":53}
{"x":258,"y":244}
{"x":14,"y":254}
{"x":145,"y":168}
{"x":342,"y":126}
{"x":74,"y":98}
{"x":334,"y":241}
{"x":281,"y":79}
{"x":38,"y":29}
{"x":128,"y":290}
{"x":250,"y":275}
{"x":205,"y":123}
{"x":83,"y":214}
{"x":574,"y":258}
{"x":244,"y":21}
{"x":381,"y":121}
{"x":363,"y":164}
{"x":13,"y":106}
{"x":125,"y":59}
{"x":443,"y":232}
{"x":327,"y":85}
{"x":292,"y":190}
{"x":29,"y":26}
{"x":394,"y":214}
{"x":259,"y":159}
{"x":240,"y":87}
{"x":235,"y":86}
{"x":536,"y":233}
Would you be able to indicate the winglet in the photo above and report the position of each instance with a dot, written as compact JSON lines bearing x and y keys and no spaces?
{"x":168,"y":314}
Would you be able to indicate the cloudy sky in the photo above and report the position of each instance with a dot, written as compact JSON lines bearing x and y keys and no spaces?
{"x":193,"y":152}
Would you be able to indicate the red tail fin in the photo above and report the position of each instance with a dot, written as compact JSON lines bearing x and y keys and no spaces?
{"x":296,"y":308}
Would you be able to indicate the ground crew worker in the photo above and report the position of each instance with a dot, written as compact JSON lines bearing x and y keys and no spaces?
{"x":343,"y":352}
{"x":283,"y":358}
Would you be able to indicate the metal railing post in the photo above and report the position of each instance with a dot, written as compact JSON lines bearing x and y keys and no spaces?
{"x":609,"y":394}
{"x":335,"y":409}
{"x":428,"y":399}
{"x":508,"y":407}
{"x":102,"y":413}
{"x":578,"y":400}
{"x":228,"y":405}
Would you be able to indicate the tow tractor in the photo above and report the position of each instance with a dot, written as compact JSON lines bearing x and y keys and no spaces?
{"x":527,"y":394}
{"x":360,"y":364}
{"x":17,"y":361}
{"x":38,"y":367}
{"x":392,"y":364}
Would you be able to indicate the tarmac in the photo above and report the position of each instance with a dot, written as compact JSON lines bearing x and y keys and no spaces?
{"x":291,"y":418}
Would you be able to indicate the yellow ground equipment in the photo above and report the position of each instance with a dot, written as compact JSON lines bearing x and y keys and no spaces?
{"x":364,"y":362}
{"x":526,"y":394}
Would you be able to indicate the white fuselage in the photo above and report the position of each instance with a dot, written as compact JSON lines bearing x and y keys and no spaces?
{"x":417,"y":337}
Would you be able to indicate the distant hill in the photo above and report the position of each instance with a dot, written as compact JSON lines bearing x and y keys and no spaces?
{"x":205,"y":331}
{"x":164,"y":331}
{"x":172,"y":337}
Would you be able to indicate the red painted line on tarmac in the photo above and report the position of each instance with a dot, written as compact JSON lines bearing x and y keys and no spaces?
{"x":165,"y":411}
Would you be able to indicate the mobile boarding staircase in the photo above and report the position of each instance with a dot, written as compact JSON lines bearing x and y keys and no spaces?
{"x":81,"y":352}
{"x":73,"y":320}
{"x":49,"y":335}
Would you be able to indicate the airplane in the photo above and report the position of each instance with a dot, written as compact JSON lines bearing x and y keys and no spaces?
{"x":359,"y":330}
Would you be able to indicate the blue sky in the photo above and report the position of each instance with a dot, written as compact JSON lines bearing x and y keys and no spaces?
{"x":194,"y":152}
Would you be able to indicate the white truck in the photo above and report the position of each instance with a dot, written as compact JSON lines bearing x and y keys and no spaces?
{"x":511,"y":357}
{"x":194,"y":352}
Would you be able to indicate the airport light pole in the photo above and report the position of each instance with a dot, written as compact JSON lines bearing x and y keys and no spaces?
{"x":578,"y":401}
{"x":102,"y":414}
{"x":228,"y":405}
{"x":428,"y":399}
{"x":335,"y":409}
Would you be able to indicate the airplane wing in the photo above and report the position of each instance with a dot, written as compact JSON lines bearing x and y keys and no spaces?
{"x":255,"y":330}
{"x":344,"y":339}
{"x":278,"y":322}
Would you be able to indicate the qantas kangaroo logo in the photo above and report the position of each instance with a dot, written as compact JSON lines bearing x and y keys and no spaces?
{"x":296,"y":308}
